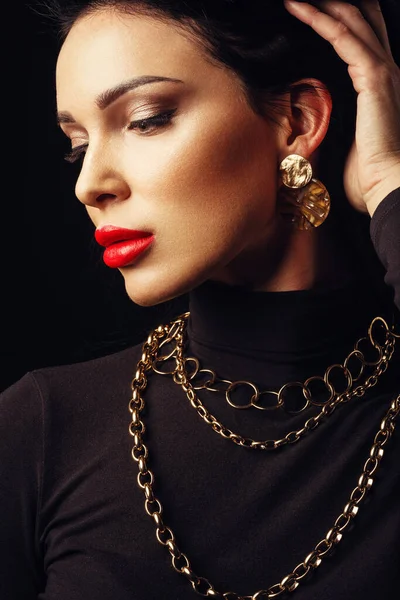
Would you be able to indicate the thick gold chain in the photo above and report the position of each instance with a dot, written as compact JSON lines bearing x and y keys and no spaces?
{"x":154,"y":509}
{"x":174,"y":332}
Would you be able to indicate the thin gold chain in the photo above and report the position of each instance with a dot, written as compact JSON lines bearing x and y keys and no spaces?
{"x":165,"y":535}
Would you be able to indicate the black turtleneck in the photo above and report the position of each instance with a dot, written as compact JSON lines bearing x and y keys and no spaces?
{"x":74,"y":525}
{"x":275,"y":337}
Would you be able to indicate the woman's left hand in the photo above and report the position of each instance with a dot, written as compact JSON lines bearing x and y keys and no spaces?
{"x":360,"y":38}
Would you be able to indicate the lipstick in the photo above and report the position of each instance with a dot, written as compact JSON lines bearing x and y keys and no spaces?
{"x":122,"y":245}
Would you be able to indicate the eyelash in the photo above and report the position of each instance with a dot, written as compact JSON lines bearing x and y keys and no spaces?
{"x":160,"y":120}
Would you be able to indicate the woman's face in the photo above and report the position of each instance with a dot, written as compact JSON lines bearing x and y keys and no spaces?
{"x":201,"y":179}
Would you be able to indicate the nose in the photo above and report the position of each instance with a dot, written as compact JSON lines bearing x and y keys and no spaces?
{"x":100,"y":181}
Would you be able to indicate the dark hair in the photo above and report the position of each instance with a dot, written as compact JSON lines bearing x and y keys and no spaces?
{"x":269,"y":50}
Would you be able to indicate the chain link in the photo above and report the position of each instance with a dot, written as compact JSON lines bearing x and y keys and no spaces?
{"x":266,"y":400}
{"x":184,"y":378}
{"x":165,"y":536}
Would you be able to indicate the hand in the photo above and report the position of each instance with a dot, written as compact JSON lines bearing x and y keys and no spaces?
{"x":360,"y":38}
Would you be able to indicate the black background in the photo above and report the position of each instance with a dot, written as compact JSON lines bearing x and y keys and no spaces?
{"x":59,"y":302}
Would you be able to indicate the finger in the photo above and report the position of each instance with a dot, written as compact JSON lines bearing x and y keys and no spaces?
{"x":358,"y":21}
{"x":335,"y":20}
{"x":348,"y":46}
{"x":373,"y":13}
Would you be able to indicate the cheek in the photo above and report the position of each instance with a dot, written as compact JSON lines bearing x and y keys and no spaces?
{"x":215,"y":175}
{"x":208,"y":198}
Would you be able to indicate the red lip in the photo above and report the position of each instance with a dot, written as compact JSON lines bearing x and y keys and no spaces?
{"x":122,"y":245}
{"x":109,"y":235}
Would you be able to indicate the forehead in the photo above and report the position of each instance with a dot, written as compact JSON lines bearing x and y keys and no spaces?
{"x":108,"y":47}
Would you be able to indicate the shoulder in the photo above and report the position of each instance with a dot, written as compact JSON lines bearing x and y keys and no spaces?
{"x":70,"y":385}
{"x":98,"y":370}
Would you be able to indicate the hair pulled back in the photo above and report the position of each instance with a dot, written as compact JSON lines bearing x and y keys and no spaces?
{"x":270,"y":51}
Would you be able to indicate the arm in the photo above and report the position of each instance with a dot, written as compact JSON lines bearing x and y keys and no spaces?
{"x":385,"y":235}
{"x":21,"y":435}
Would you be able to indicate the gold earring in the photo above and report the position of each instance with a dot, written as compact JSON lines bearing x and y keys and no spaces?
{"x":304,"y":201}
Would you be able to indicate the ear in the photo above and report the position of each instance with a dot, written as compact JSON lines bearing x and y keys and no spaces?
{"x":307,"y":119}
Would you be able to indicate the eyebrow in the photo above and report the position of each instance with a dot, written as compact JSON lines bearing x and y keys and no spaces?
{"x":109,"y":96}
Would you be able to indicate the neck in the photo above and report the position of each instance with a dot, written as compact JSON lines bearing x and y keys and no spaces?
{"x":289,"y":260}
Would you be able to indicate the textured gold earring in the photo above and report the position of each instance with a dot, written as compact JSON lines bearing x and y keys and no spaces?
{"x":304,"y":201}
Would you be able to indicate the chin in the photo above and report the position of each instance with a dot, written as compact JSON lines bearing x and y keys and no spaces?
{"x":152,"y":288}
{"x":151,"y":294}
{"x":147,"y":299}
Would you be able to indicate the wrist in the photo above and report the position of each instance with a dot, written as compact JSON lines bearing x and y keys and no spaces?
{"x":381,"y":191}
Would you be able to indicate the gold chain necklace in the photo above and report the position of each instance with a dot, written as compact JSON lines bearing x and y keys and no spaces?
{"x":175,"y":332}
{"x":153,"y":506}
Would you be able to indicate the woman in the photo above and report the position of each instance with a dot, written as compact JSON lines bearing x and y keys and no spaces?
{"x":208,"y":133}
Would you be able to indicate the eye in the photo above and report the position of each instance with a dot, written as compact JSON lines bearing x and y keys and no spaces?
{"x":144,"y":126}
{"x":150,"y":124}
{"x":76,"y":153}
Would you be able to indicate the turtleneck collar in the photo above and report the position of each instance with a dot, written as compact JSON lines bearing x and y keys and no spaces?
{"x":275,"y":337}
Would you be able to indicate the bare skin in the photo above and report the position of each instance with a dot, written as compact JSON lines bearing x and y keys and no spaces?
{"x":206,"y":183}
{"x":360,"y":38}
